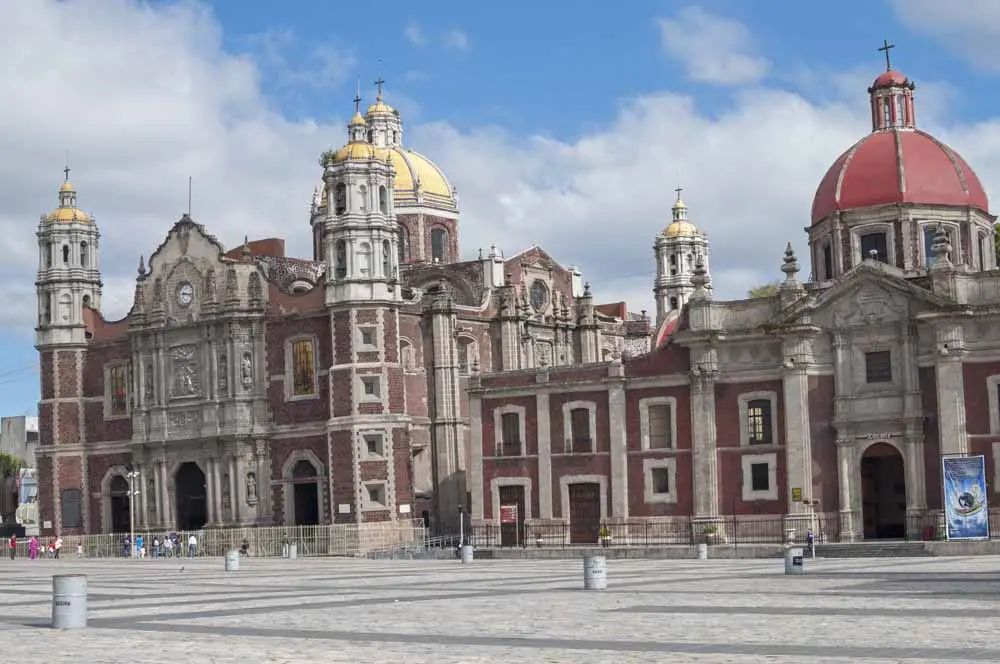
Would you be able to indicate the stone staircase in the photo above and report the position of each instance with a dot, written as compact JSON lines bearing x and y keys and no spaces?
{"x":882,"y":549}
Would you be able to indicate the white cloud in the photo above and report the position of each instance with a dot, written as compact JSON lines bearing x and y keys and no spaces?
{"x":714,"y":49}
{"x":971,"y":29}
{"x":145,"y":97}
{"x":414,"y":34}
{"x":456,"y":39}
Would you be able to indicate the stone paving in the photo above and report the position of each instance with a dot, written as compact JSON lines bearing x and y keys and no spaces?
{"x":415,"y":612}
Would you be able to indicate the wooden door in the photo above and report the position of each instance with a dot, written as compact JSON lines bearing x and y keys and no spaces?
{"x":512,"y":534}
{"x":584,"y":513}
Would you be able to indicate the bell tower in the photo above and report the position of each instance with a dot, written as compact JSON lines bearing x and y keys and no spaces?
{"x":678,"y":249}
{"x":69,"y":277}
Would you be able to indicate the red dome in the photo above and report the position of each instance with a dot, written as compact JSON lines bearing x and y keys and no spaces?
{"x":890,"y":78}
{"x":897,"y":166}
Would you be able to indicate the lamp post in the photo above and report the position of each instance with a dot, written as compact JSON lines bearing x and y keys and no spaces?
{"x":131,"y":476}
{"x":461,"y":528}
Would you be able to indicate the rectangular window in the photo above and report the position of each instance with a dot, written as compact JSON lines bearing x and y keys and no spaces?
{"x":878,"y":367}
{"x":982,"y":251}
{"x":72,"y":508}
{"x":374,"y":445}
{"x":875,"y":242}
{"x":661,"y":480}
{"x":439,"y":248}
{"x":371,"y":385}
{"x":760,"y":477}
{"x":659,"y":427}
{"x":303,"y":368}
{"x":376,"y":495}
{"x":510,"y":434}
{"x":827,"y":262}
{"x":580,"y":430}
{"x":368,"y":336}
{"x":118,"y":390}
{"x":759,"y":431}
{"x":463,"y":356}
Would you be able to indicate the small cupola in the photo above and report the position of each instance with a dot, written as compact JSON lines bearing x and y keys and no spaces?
{"x":891,"y":97}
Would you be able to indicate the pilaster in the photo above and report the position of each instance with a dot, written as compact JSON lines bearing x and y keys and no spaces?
{"x":950,"y":338}
{"x":798,"y":437}
{"x":703,"y":434}
{"x":544,"y":455}
{"x":476,"y":486}
{"x":848,"y":476}
{"x":617,"y":419}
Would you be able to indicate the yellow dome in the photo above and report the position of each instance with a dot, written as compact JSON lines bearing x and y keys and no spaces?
{"x":358,"y":150}
{"x":68,"y":215}
{"x":681,"y":228}
{"x":66,"y":186}
{"x":357,"y":119}
{"x":380,"y":108}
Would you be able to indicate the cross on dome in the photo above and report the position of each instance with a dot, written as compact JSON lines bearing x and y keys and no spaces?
{"x":886,"y":46}
{"x":378,"y":85}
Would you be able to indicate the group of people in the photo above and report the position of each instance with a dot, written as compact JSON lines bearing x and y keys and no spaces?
{"x":35,"y":547}
{"x":171,"y":546}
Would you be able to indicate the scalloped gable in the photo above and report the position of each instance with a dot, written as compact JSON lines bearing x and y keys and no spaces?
{"x":186,"y":238}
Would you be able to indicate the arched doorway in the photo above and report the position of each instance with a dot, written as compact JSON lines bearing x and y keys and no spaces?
{"x":883,"y":492}
{"x":192,"y":505}
{"x":119,"y":504}
{"x":305,"y":493}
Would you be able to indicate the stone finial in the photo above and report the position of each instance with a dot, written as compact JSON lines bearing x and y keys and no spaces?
{"x":700,"y":281}
{"x":142,"y":267}
{"x":941,"y":248}
{"x":586,"y":290}
{"x":790,"y":264}
{"x":246,"y":253}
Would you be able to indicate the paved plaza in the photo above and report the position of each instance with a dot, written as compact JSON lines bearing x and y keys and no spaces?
{"x":415,"y":612}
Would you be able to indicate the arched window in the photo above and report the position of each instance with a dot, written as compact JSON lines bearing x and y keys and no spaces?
{"x":464,"y":349}
{"x":404,"y":244}
{"x":383,"y":200}
{"x":66,"y":254}
{"x":364,"y":260}
{"x":406,"y":355}
{"x":340,"y":271}
{"x":673,"y":303}
{"x":395,"y":137}
{"x":46,"y":310}
{"x":65,"y":308}
{"x":371,"y":135}
{"x":86,"y":301}
{"x":340,"y":199}
{"x":48,"y":254}
{"x":386,"y":259}
{"x":363,"y":196}
{"x":439,"y":245}
{"x":83,"y":254}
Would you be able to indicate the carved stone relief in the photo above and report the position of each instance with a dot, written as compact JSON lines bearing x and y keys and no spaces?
{"x":186,"y":379}
{"x":246,"y":369}
{"x":184,"y":418}
{"x":210,"y":285}
{"x":223,"y":371}
{"x":251,"y":489}
{"x":232,"y":285}
{"x":148,"y":379}
{"x":254,"y":290}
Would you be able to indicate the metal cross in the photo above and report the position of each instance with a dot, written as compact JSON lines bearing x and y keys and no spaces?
{"x":379,"y":83}
{"x":885,"y":48}
{"x":66,"y":171}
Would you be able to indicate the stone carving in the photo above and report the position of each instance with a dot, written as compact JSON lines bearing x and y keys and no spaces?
{"x":226,"y":497}
{"x":158,"y":292}
{"x":254,"y":288}
{"x":183,"y":238}
{"x":246,"y":369}
{"x":184,"y":418}
{"x":223,"y":375}
{"x":148,"y":379}
{"x":186,"y":380}
{"x":210,"y":285}
{"x":232,"y":285}
{"x":251,"y":488}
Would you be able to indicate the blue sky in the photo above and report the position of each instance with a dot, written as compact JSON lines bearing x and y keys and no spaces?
{"x":562,"y":124}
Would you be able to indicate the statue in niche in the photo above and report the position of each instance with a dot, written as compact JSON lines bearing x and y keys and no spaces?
{"x":254,"y":288}
{"x":210,"y":285}
{"x":246,"y":368}
{"x":223,"y":375}
{"x":251,"y":488}
{"x":148,"y":380}
{"x":232,"y":285}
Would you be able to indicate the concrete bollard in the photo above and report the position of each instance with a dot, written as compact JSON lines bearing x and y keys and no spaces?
{"x":232,"y":561}
{"x":466,"y":554}
{"x":293,"y":551}
{"x":702,"y":552}
{"x":595,"y":573}
{"x":793,"y":561}
{"x":69,"y":601}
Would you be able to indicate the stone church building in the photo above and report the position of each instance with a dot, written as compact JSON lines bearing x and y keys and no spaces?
{"x":833,"y":400}
{"x":249,"y":387}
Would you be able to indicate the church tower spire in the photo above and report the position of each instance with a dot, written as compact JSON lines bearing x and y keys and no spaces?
{"x":891,"y":97}
{"x":385,"y":127}
{"x":678,"y":249}
{"x":69,"y":278}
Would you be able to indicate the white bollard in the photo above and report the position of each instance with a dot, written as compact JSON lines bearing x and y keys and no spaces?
{"x":793,"y":561}
{"x":702,"y":552}
{"x":595,"y":573}
{"x":69,"y":601}
{"x":466,"y":554}
{"x":293,"y":551}
{"x":232,"y":561}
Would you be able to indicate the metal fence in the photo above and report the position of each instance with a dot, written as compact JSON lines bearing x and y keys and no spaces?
{"x":328,"y":540}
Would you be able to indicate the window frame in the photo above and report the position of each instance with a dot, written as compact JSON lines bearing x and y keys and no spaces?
{"x":648,"y":467}
{"x":570,"y":445}
{"x":644,"y":422}
{"x":744,"y":407}
{"x":109,"y":369}
{"x":889,"y":378}
{"x":498,"y":435}
{"x":368,"y":505}
{"x":365,"y":438}
{"x":290,"y":345}
{"x":747,"y":462}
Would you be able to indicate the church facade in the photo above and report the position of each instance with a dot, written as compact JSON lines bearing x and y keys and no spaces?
{"x":835,"y":398}
{"x":246,"y":387}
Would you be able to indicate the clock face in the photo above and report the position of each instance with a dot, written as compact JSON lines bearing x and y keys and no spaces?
{"x":185,"y":294}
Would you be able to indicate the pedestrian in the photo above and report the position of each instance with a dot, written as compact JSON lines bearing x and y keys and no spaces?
{"x":168,"y":544}
{"x":33,"y":547}
{"x":192,"y":545}
{"x":79,"y":549}
{"x":12,"y":544}
{"x":59,"y":544}
{"x":140,"y":546}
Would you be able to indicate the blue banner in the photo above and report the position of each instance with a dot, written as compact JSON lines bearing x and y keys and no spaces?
{"x":965,"y":505}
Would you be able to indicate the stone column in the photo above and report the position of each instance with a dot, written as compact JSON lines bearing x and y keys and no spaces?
{"x":143,"y":520}
{"x":798,"y":437}
{"x":847,"y":475}
{"x":950,"y":349}
{"x":163,"y":515}
{"x":216,"y":485}
{"x":544,"y":455}
{"x":704,"y":454}
{"x":617,"y":420}
{"x":234,"y":498}
{"x":476,"y":449}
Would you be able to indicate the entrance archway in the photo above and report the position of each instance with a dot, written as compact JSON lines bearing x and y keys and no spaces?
{"x":883,"y":492}
{"x":192,"y":505}
{"x":305,"y":493}
{"x":119,"y":504}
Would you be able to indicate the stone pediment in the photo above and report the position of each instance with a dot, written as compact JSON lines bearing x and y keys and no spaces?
{"x":866,"y":296}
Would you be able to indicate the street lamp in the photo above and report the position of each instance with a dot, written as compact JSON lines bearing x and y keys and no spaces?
{"x":131,"y":476}
{"x":461,"y":528}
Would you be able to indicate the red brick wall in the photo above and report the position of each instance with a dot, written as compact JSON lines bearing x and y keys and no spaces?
{"x":46,"y":374}
{"x":404,"y":470}
{"x":826,"y":487}
{"x":343,"y":342}
{"x":577,"y":464}
{"x":341,"y":390}
{"x":281,"y":450}
{"x":977,"y":395}
{"x":342,"y":474}
{"x":96,"y":358}
{"x":279,"y":331}
{"x":932,"y":446}
{"x":668,"y":359}
{"x":637,"y":485}
{"x":602,"y":434}
{"x":530,"y":423}
{"x":46,"y":511}
{"x":71,"y":477}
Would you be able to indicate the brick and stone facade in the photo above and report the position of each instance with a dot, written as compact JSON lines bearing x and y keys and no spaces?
{"x":248,"y":387}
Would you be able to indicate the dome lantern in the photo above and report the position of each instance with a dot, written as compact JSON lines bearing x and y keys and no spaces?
{"x":891,"y":96}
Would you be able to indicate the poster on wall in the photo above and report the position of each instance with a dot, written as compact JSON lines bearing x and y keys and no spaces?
{"x":965,"y":507}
